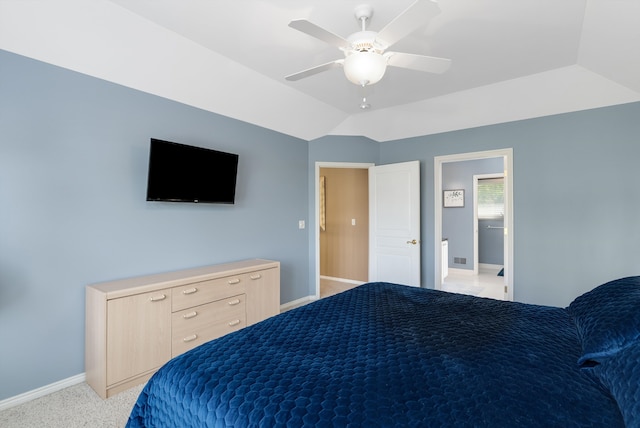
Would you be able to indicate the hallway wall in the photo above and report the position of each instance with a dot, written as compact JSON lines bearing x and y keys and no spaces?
{"x":344,"y":247}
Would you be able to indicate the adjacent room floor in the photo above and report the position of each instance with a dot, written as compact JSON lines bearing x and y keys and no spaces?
{"x":330,"y":287}
{"x":486,"y":284}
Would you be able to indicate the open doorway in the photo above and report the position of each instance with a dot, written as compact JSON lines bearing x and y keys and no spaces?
{"x":456,"y":226}
{"x":341,"y":230}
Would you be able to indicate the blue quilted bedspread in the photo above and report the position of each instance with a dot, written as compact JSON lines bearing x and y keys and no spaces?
{"x":384,"y":355}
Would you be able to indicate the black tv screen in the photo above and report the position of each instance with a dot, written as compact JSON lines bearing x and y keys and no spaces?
{"x":182,"y":173}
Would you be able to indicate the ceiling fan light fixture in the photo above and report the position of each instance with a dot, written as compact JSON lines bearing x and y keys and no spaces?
{"x":365,"y":68}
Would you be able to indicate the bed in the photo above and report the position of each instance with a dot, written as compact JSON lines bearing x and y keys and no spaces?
{"x":387,"y":355}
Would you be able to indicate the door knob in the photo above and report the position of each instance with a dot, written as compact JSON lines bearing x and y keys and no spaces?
{"x":413,"y":242}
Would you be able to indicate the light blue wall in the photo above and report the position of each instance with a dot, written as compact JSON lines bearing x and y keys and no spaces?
{"x":491,"y":241}
{"x":457,"y":223}
{"x":73,"y":166}
{"x":576,"y":197}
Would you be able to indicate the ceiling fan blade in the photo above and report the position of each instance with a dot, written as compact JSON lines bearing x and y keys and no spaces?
{"x":319,"y":33}
{"x":314,"y":70}
{"x":430,"y":64}
{"x":414,"y":16}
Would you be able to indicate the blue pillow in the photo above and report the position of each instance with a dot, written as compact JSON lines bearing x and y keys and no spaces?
{"x":621,"y":375}
{"x":607,"y":318}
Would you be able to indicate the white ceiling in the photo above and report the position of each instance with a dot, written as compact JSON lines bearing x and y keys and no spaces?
{"x":511,"y":59}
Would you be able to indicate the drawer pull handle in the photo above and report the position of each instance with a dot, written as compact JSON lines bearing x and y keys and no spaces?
{"x":190,"y":315}
{"x":256,"y":276}
{"x":190,"y":291}
{"x":234,"y":281}
{"x":234,"y":322}
{"x":234,"y":302}
{"x":157,"y":298}
{"x":190,"y":338}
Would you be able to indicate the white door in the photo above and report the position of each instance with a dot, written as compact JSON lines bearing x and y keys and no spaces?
{"x":394,"y":221}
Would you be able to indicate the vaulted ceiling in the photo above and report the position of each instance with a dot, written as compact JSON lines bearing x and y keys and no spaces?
{"x":511,"y":60}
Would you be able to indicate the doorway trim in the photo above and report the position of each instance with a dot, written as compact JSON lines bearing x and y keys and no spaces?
{"x":438,"y":161}
{"x":316,"y":204}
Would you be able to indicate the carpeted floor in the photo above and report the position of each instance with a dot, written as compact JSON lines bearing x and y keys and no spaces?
{"x":76,"y":406}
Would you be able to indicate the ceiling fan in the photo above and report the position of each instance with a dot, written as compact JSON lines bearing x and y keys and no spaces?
{"x":365,"y":60}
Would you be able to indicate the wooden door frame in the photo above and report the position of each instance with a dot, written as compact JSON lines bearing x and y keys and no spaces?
{"x":507,"y":155}
{"x":316,"y":235}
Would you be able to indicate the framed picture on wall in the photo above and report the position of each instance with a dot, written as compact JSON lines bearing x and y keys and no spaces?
{"x":453,"y":198}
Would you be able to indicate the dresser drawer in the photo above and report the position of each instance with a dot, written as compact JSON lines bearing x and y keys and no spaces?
{"x":195,"y":326}
{"x":198,"y":293}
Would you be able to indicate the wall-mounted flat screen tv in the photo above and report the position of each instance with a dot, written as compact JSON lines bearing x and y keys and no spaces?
{"x":182,"y":173}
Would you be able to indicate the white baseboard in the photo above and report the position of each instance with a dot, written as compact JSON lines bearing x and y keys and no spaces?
{"x":42,"y":391}
{"x":348,"y":281}
{"x":300,"y":302}
{"x":454,"y":271}
{"x":487,"y":266}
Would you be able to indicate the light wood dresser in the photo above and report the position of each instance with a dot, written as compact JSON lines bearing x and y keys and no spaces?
{"x":135,"y":325}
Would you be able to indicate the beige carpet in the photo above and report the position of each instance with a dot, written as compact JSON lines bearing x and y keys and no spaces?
{"x":76,"y":406}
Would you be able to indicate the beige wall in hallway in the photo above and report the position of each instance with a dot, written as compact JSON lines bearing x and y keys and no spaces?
{"x":344,"y":248}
